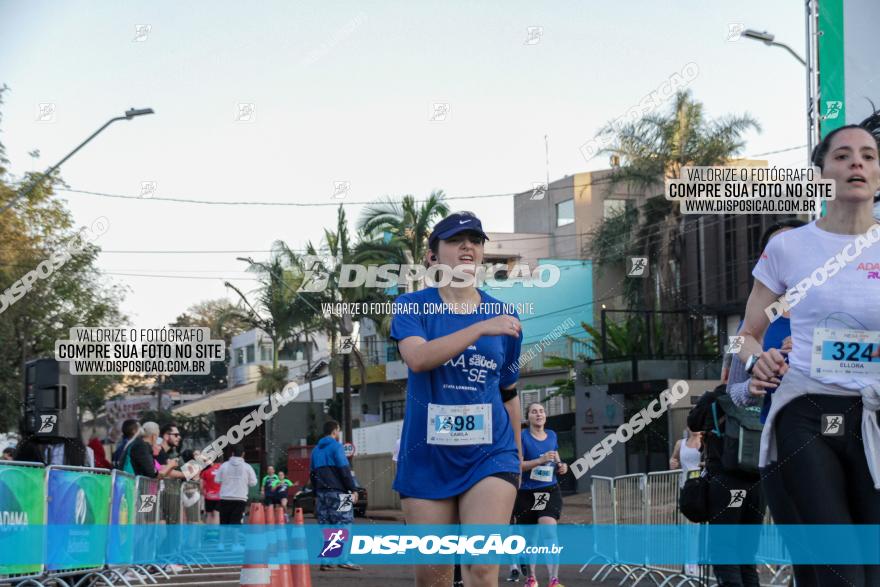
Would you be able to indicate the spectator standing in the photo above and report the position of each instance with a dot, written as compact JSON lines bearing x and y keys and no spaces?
{"x":212,"y":493}
{"x":335,"y":488}
{"x":235,"y":477}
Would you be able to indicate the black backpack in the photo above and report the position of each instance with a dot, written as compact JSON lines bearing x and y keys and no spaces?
{"x":740,"y":431}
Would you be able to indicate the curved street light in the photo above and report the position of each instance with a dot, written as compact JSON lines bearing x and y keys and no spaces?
{"x":129,"y":114}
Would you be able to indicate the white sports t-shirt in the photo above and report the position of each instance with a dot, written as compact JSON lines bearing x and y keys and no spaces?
{"x":848,"y":299}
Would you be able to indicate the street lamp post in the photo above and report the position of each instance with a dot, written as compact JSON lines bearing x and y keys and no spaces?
{"x":129,"y":114}
{"x":769,"y":39}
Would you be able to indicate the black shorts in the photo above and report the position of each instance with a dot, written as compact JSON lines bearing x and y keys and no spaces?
{"x":212,"y":505}
{"x":531,"y":504}
{"x":512,"y":478}
{"x":231,"y":511}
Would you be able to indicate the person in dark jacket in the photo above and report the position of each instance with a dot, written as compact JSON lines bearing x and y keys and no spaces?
{"x":734,"y":496}
{"x":137,"y":458}
{"x":335,"y":488}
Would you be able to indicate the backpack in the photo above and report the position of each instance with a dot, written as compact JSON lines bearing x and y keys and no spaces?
{"x":125,"y":460}
{"x":741,"y":436}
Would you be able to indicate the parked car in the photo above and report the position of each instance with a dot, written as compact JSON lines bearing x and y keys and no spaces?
{"x":305,"y":499}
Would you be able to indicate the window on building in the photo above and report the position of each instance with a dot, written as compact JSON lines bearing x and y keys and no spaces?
{"x":753,"y":237}
{"x":613,"y":207}
{"x":555,"y":405}
{"x":250,"y":354}
{"x":527,"y":397}
{"x":371,"y":349}
{"x":265,"y":352}
{"x":730,"y":257}
{"x":565,"y":212}
{"x":239,"y":356}
{"x":393,"y":410}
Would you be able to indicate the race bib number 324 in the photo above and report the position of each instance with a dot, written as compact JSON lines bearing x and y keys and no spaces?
{"x":846,"y":352}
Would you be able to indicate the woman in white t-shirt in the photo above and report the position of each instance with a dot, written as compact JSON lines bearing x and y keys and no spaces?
{"x":822,"y":426}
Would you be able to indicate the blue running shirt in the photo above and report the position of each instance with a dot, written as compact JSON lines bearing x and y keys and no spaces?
{"x":533,"y":449}
{"x":470,"y":435}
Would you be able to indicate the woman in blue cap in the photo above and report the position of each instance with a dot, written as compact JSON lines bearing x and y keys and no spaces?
{"x":459,"y":460}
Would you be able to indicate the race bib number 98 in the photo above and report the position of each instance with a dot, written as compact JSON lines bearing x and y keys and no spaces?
{"x":459,"y":425}
{"x":543,"y":473}
{"x":846,"y":352}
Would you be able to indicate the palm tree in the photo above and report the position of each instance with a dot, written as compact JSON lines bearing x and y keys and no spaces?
{"x":274,"y":311}
{"x":652,"y":149}
{"x":397,"y":231}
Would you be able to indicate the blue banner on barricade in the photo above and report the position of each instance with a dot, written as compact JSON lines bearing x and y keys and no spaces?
{"x":120,"y":545}
{"x":396,"y":544}
{"x":78,"y":500}
{"x":23,"y":503}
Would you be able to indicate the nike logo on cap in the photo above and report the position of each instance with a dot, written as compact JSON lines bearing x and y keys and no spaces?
{"x":463,"y":221}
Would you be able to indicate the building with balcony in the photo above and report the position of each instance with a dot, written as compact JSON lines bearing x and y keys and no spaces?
{"x":253,"y":349}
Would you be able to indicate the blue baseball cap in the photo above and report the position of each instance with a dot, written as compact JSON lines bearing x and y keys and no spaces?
{"x":454,"y":224}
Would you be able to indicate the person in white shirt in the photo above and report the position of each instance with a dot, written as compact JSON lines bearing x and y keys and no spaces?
{"x":235,"y":477}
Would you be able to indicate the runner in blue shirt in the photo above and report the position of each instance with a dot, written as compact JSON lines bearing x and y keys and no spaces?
{"x":459,"y":459}
{"x":539,"y":500}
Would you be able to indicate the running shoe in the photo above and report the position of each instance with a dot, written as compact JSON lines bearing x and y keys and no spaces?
{"x":554,"y":582}
{"x":326,"y":568}
{"x":531,"y":582}
{"x":514,"y":576}
{"x":349,"y":567}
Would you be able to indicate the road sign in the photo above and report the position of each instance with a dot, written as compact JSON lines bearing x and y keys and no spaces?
{"x":349,"y":449}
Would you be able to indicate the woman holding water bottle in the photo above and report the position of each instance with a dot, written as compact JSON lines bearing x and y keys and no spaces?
{"x":821,"y":432}
{"x":539,"y":500}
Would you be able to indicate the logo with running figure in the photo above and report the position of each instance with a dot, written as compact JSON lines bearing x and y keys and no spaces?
{"x":832,"y":424}
{"x":334,"y":542}
{"x":147,"y":504}
{"x":345,"y":502}
{"x":737,"y":497}
{"x":47,"y":424}
{"x":541,"y":501}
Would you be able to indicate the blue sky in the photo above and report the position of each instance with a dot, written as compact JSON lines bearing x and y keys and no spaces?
{"x":343,"y":92}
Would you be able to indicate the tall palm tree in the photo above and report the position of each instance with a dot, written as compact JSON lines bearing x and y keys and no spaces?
{"x":273,"y":310}
{"x":652,"y":149}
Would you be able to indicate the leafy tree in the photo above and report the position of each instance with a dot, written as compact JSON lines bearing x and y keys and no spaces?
{"x":220,"y":316}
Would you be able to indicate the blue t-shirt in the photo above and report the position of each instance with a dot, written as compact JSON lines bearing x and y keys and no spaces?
{"x":544,"y":475}
{"x":436,"y":469}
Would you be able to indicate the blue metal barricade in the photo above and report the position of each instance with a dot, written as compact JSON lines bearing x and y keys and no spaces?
{"x":23,"y":503}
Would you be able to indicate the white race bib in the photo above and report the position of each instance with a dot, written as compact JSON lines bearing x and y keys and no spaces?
{"x":459,"y":425}
{"x":543,"y":473}
{"x":844,"y":352}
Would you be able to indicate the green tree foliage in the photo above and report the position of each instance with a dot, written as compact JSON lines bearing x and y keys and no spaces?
{"x":74,"y":294}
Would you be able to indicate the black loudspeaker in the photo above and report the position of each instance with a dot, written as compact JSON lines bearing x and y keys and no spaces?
{"x":50,"y":398}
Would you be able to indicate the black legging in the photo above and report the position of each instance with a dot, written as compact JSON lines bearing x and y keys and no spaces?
{"x":827,"y":479}
{"x":750,"y":512}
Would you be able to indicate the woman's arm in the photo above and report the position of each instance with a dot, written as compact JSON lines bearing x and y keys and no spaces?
{"x":675,"y":459}
{"x":422,"y":355}
{"x":772,"y":362}
{"x":514,"y":412}
{"x":541,"y":460}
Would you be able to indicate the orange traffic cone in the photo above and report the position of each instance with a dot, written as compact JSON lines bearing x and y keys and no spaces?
{"x":285,"y":575}
{"x":272,"y":547}
{"x":251,"y":572}
{"x":302,"y":576}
